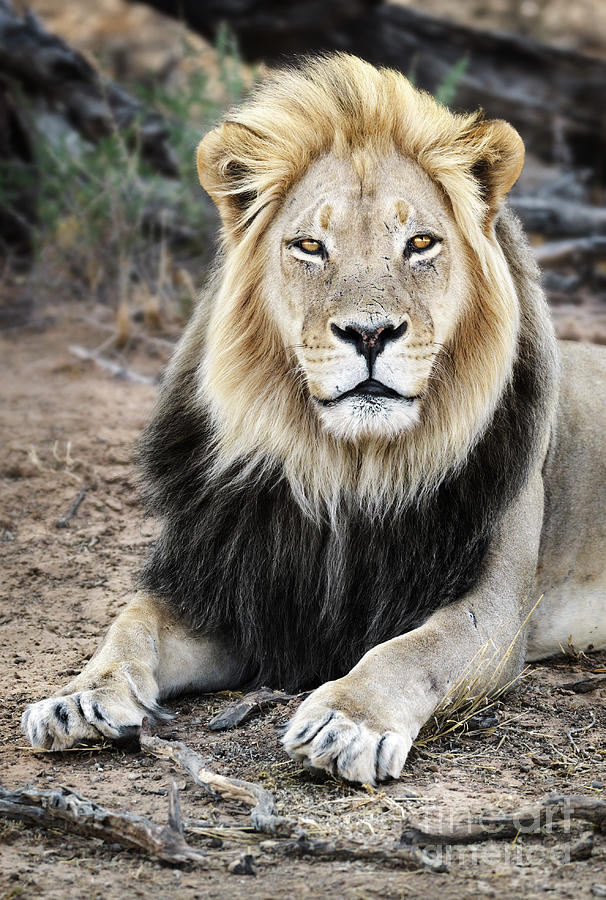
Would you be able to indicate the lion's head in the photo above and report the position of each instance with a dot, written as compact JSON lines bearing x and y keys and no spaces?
{"x":363,"y":282}
{"x":364,"y":319}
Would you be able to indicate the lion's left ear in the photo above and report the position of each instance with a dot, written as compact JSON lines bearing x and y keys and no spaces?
{"x":222,"y":159}
{"x":499,"y":158}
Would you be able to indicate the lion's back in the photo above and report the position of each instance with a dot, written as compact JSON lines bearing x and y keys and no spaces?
{"x":572,"y":560}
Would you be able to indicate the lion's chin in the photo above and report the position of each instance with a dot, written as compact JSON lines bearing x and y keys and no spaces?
{"x":358,"y":418}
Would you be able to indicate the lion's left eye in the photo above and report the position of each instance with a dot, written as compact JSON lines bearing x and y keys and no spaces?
{"x":421,"y":242}
{"x":309,"y":246}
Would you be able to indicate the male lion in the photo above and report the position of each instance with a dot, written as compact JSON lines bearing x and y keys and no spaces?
{"x":370,"y":456}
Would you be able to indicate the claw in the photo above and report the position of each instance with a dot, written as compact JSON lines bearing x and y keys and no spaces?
{"x":79,"y":718}
{"x":329,"y":740}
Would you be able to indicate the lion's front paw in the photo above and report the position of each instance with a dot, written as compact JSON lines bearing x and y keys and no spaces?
{"x":85,"y":716}
{"x":324,"y":737}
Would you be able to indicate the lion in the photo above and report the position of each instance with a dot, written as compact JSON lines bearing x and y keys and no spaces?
{"x":370,"y":456}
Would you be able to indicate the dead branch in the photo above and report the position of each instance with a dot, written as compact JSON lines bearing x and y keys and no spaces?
{"x":135,"y":337}
{"x":403,"y":857}
{"x":247,"y":707}
{"x":499,"y":826}
{"x":64,"y":520}
{"x":554,"y":96}
{"x":63,"y":807}
{"x":110,"y":366}
{"x":585,"y":685}
{"x":264,"y":819}
{"x":580,"y":730}
{"x":572,"y":252}
{"x":44,"y":66}
{"x":557,"y":217}
{"x":262,"y":816}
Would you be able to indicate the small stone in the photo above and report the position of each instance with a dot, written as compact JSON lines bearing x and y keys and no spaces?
{"x":583,"y":848}
{"x":597,"y":784}
{"x":242,"y":866}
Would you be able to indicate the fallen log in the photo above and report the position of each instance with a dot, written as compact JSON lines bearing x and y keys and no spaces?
{"x":63,"y":807}
{"x":39,"y":65}
{"x":580,"y":251}
{"x":266,"y":29}
{"x":349,"y":851}
{"x":554,"y":96}
{"x":558,"y":218}
{"x":500,"y":826}
{"x":40,"y":73}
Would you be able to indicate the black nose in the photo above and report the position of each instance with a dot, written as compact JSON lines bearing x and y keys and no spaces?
{"x":369,"y":342}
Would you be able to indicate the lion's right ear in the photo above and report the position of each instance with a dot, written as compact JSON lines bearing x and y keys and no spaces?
{"x":223,"y":160}
{"x":499,"y":152}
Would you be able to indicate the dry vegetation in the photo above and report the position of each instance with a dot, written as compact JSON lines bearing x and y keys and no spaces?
{"x":118,"y":261}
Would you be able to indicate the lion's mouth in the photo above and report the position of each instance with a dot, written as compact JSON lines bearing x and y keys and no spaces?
{"x":370,"y":388}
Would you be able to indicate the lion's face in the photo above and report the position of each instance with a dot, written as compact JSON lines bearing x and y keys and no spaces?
{"x":367,"y":281}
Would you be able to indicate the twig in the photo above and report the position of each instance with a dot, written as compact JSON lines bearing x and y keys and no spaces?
{"x":262,"y":816}
{"x":247,"y":707}
{"x":555,"y":216}
{"x":109,"y":365}
{"x":529,"y":820}
{"x":162,"y":343}
{"x":264,"y":820}
{"x":571,"y":251}
{"x":585,"y":685}
{"x":64,"y":520}
{"x":404,"y":857}
{"x":580,"y":730}
{"x":65,"y":808}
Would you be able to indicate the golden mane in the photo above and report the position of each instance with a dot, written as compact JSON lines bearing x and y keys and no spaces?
{"x":248,"y":379}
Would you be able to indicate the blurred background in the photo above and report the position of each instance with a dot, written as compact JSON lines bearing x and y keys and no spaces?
{"x":101,"y":107}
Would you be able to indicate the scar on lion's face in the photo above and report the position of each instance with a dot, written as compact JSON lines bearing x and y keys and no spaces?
{"x":362,"y":285}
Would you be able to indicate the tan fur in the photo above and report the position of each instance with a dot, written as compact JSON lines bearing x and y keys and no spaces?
{"x":360,"y":150}
{"x":347,"y":108}
{"x":403,"y":211}
{"x":325,"y":216}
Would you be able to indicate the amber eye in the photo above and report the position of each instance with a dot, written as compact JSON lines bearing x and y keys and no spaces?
{"x":421,"y":241}
{"x":310,"y":246}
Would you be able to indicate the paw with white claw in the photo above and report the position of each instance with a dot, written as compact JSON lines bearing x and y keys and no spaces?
{"x":86,"y":716}
{"x":323,"y":737}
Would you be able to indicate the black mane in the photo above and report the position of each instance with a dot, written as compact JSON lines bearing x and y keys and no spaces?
{"x":303,"y":602}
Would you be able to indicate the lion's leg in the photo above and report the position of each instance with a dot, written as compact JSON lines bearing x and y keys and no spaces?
{"x":362,"y":726}
{"x":145,"y":657}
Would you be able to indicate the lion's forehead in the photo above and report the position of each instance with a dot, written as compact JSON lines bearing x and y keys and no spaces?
{"x":340,"y":200}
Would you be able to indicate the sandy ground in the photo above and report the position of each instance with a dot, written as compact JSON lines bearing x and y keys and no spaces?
{"x":67,"y":424}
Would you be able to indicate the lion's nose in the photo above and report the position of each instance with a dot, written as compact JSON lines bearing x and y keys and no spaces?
{"x":369,"y":341}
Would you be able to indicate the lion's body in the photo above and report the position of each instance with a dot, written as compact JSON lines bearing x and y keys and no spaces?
{"x":367,"y":459}
{"x":571,"y":571}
